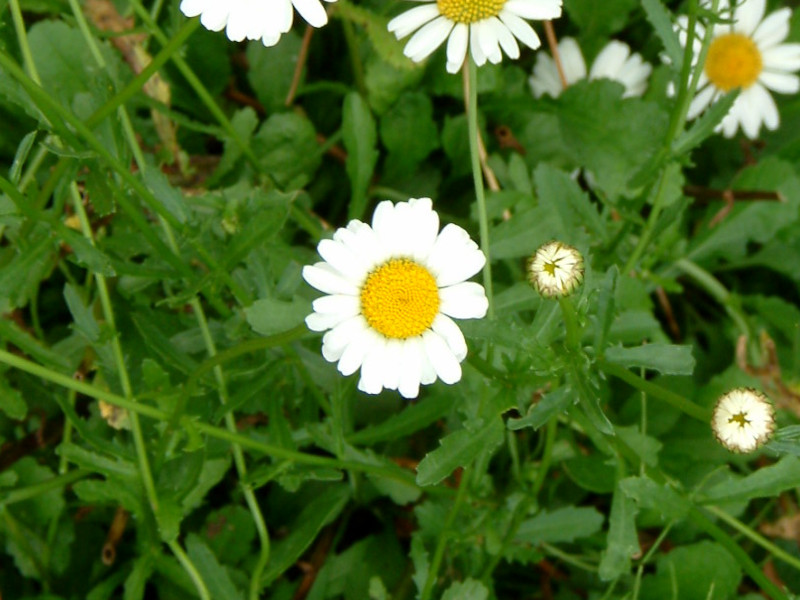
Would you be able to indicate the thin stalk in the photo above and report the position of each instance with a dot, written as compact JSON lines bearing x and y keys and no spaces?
{"x":686,"y":90}
{"x":441,"y":543}
{"x":698,"y":517}
{"x":655,"y":391}
{"x":395,"y":474}
{"x":521,"y":510}
{"x":24,"y":46}
{"x":719,"y":292}
{"x":754,"y":536}
{"x":37,"y":489}
{"x":119,"y":360}
{"x":646,"y":558}
{"x":471,"y":97}
{"x":567,"y":558}
{"x":189,"y":567}
{"x":573,"y":332}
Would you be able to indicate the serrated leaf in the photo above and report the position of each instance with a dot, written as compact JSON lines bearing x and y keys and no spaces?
{"x":704,"y":126}
{"x":410,"y":420}
{"x":360,"y":137}
{"x":562,"y":525}
{"x":558,"y":191}
{"x":765,"y":482}
{"x":459,"y":449}
{"x":545,"y":409}
{"x":469,"y":589}
{"x":651,"y":495}
{"x":622,"y":543}
{"x":668,"y":359}
{"x":661,"y":20}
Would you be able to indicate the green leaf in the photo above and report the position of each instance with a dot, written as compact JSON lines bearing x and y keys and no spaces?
{"x":170,"y":197}
{"x":616,"y":146}
{"x":551,"y":405}
{"x":323,"y":509}
{"x":558,"y":191}
{"x":668,"y":359}
{"x":137,"y":579}
{"x":272,"y":69}
{"x":413,"y":112}
{"x":286,"y":145}
{"x":704,"y":127}
{"x":469,"y":589}
{"x":622,"y":542}
{"x":214,"y":575}
{"x":269,"y":316}
{"x":386,"y":45}
{"x":411,"y":419}
{"x":563,"y":525}
{"x":661,"y":20}
{"x":764,"y":483}
{"x":43,"y":507}
{"x":522,"y":235}
{"x":24,"y":148}
{"x":660,"y":497}
{"x":702,"y":571}
{"x":421,"y":560}
{"x":606,"y":308}
{"x":11,"y":402}
{"x":458,"y":449}
{"x":599,"y":19}
{"x":360,"y":138}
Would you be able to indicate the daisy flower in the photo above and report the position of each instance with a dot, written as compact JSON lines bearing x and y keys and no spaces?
{"x":264,"y":20}
{"x":485,"y":25}
{"x":747,"y":54}
{"x":555,"y":270}
{"x":393,"y":291}
{"x":743,"y":420}
{"x":614,"y":62}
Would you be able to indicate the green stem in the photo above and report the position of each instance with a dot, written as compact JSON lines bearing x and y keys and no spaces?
{"x":719,"y":292}
{"x":37,"y":489}
{"x":471,"y":96}
{"x":441,"y":543}
{"x":392,"y":473}
{"x":647,"y":557}
{"x":573,"y":332}
{"x":522,"y":509}
{"x":567,"y":558}
{"x":698,"y":517}
{"x":189,"y":567}
{"x":686,"y":90}
{"x":24,"y":46}
{"x":655,"y":391}
{"x":746,"y":531}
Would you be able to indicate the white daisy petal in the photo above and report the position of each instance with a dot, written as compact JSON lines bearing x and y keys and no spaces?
{"x":390,"y":288}
{"x":465,"y":300}
{"x":254,"y":19}
{"x":783,"y":83}
{"x":442,"y":358}
{"x":743,"y":420}
{"x":748,"y":15}
{"x":785,"y":57}
{"x":773,"y":30}
{"x":572,"y":60}
{"x":488,"y":29}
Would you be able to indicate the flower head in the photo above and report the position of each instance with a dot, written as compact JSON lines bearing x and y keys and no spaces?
{"x":485,"y":25}
{"x":614,"y":62}
{"x":743,"y":420}
{"x":264,"y":20}
{"x":392,"y":290}
{"x":747,"y":54}
{"x":555,"y":270}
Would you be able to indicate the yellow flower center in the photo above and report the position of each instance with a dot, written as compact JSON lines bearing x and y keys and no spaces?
{"x":550,"y":268}
{"x":733,"y":61}
{"x":469,"y":11}
{"x":740,"y":419}
{"x":400,"y":299}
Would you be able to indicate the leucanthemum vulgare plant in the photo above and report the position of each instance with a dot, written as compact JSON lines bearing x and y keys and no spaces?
{"x":330,"y":305}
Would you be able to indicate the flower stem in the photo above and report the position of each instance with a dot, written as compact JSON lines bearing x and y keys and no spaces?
{"x":471,"y":99}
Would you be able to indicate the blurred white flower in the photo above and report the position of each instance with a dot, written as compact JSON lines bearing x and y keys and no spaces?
{"x":748,"y":54}
{"x":264,"y":20}
{"x":555,"y":270}
{"x":485,"y":25}
{"x":615,"y":61}
{"x":393,"y":288}
{"x":743,"y":420}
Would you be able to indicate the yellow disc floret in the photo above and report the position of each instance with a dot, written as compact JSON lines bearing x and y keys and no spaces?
{"x":733,"y":61}
{"x":400,"y":299}
{"x":469,"y":11}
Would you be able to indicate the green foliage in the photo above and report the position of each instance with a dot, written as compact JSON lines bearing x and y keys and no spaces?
{"x":164,"y":406}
